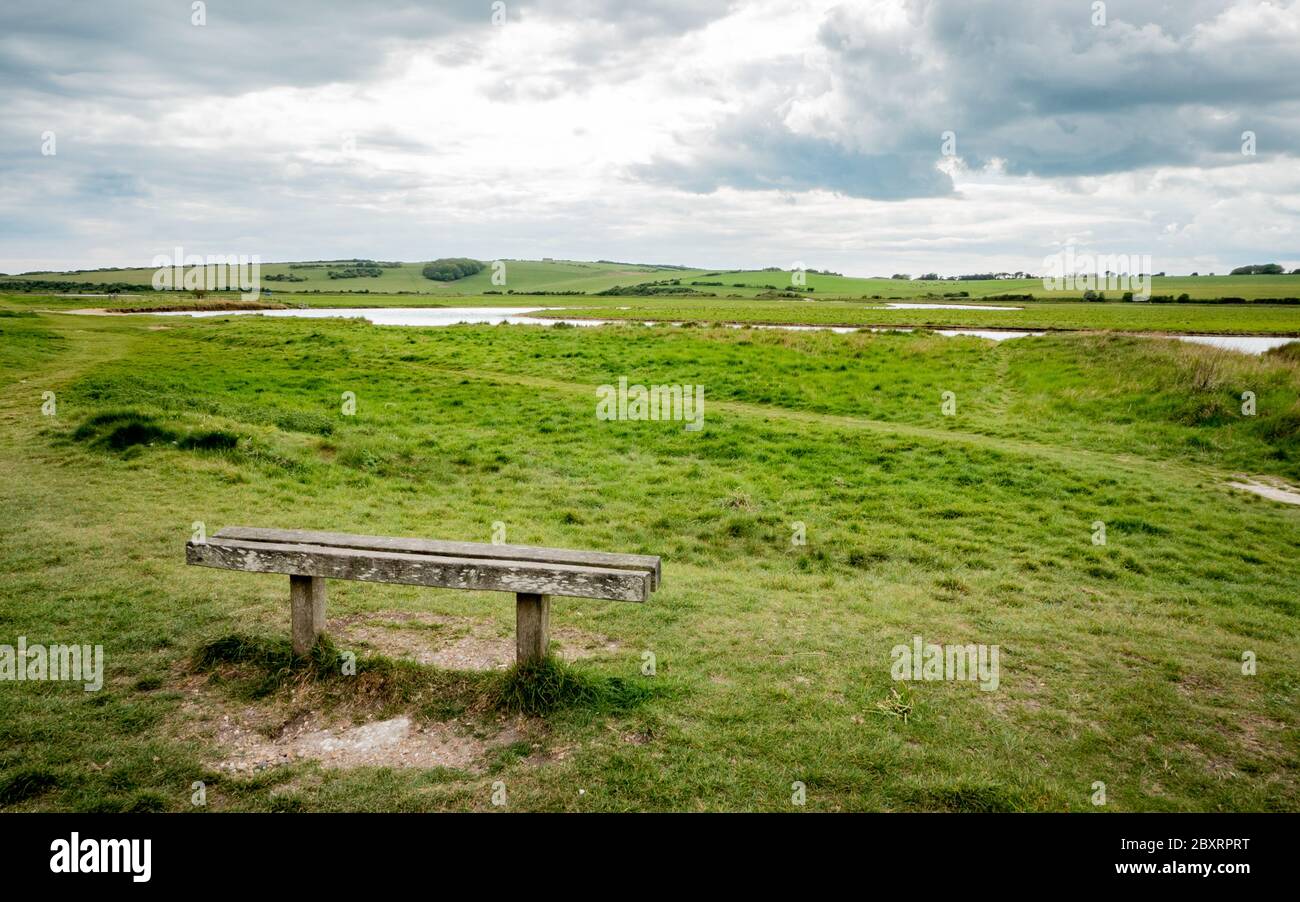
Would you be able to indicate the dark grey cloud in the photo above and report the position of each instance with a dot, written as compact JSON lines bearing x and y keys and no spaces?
{"x":107,"y":183}
{"x":152,"y":48}
{"x":1159,"y":83}
{"x":1032,"y":84}
{"x":637,"y":20}
{"x":761,"y":153}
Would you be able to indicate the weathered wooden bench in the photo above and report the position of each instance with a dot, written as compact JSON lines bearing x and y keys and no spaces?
{"x":533,"y":574}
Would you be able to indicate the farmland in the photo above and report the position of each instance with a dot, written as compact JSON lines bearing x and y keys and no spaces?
{"x":524,"y":276}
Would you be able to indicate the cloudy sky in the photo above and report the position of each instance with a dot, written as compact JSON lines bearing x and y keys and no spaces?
{"x":717,"y":134}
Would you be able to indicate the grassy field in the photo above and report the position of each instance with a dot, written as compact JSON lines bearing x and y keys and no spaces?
{"x":1120,"y":663}
{"x":1263,"y":319}
{"x":753,"y":282}
{"x":521,"y":275}
{"x":591,"y":277}
{"x":1240,"y":319}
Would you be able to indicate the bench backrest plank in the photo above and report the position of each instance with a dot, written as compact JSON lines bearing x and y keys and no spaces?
{"x":602,"y":559}
{"x":422,"y":568}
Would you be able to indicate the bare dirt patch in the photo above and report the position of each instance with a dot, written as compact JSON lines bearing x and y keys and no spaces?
{"x":253,"y":738}
{"x":387,"y":743}
{"x":1268,"y":487}
{"x":454,"y":643}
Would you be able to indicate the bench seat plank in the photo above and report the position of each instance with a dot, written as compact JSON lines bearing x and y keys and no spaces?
{"x":422,"y":569}
{"x":602,"y":559}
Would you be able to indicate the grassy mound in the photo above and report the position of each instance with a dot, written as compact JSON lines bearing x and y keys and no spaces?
{"x":551,"y":684}
{"x":256,"y":667}
{"x":119,"y":430}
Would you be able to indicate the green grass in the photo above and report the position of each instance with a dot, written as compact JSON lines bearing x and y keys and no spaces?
{"x":521,"y":275}
{"x":1120,"y":663}
{"x":1247,"y":287}
{"x":1242,"y":319}
{"x":591,"y":277}
{"x":255,"y":667}
{"x":542,"y":687}
{"x":122,"y":430}
{"x":1261,"y":319}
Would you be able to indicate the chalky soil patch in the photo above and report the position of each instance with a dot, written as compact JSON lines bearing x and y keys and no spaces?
{"x":454,"y":643}
{"x":1268,"y":487}
{"x":397,"y":742}
{"x":249,"y":738}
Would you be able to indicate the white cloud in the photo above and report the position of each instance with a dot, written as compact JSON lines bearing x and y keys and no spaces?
{"x":715,"y":134}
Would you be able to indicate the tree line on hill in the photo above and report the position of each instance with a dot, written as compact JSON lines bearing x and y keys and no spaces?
{"x":354,"y":261}
{"x":1262,"y":269}
{"x":64,"y":286}
{"x":969,"y":277}
{"x":360,"y":271}
{"x":449,"y":269}
{"x":649,"y":289}
{"x":641,"y":265}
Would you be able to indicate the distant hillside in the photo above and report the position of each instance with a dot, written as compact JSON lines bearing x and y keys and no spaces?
{"x":521,"y":276}
{"x":541,"y":277}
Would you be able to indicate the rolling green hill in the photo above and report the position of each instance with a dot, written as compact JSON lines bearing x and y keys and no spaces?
{"x":528,"y":276}
{"x":521,"y":276}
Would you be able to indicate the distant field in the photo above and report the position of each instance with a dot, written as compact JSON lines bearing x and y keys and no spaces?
{"x":1201,"y":318}
{"x":564,"y":275}
{"x":1247,"y":287}
{"x":521,"y":275}
{"x":1232,"y":319}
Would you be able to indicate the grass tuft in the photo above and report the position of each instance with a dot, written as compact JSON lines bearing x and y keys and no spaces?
{"x":256,"y":667}
{"x":980,"y":798}
{"x":26,"y":783}
{"x":1290,"y":351}
{"x":119,"y":430}
{"x":260,"y":666}
{"x":551,"y":684}
{"x":212,"y":440}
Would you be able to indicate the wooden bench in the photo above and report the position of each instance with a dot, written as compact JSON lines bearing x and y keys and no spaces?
{"x":533,"y":574}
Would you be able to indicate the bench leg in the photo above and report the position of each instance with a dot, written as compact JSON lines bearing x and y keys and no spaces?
{"x":307,"y":599}
{"x":532,"y":627}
